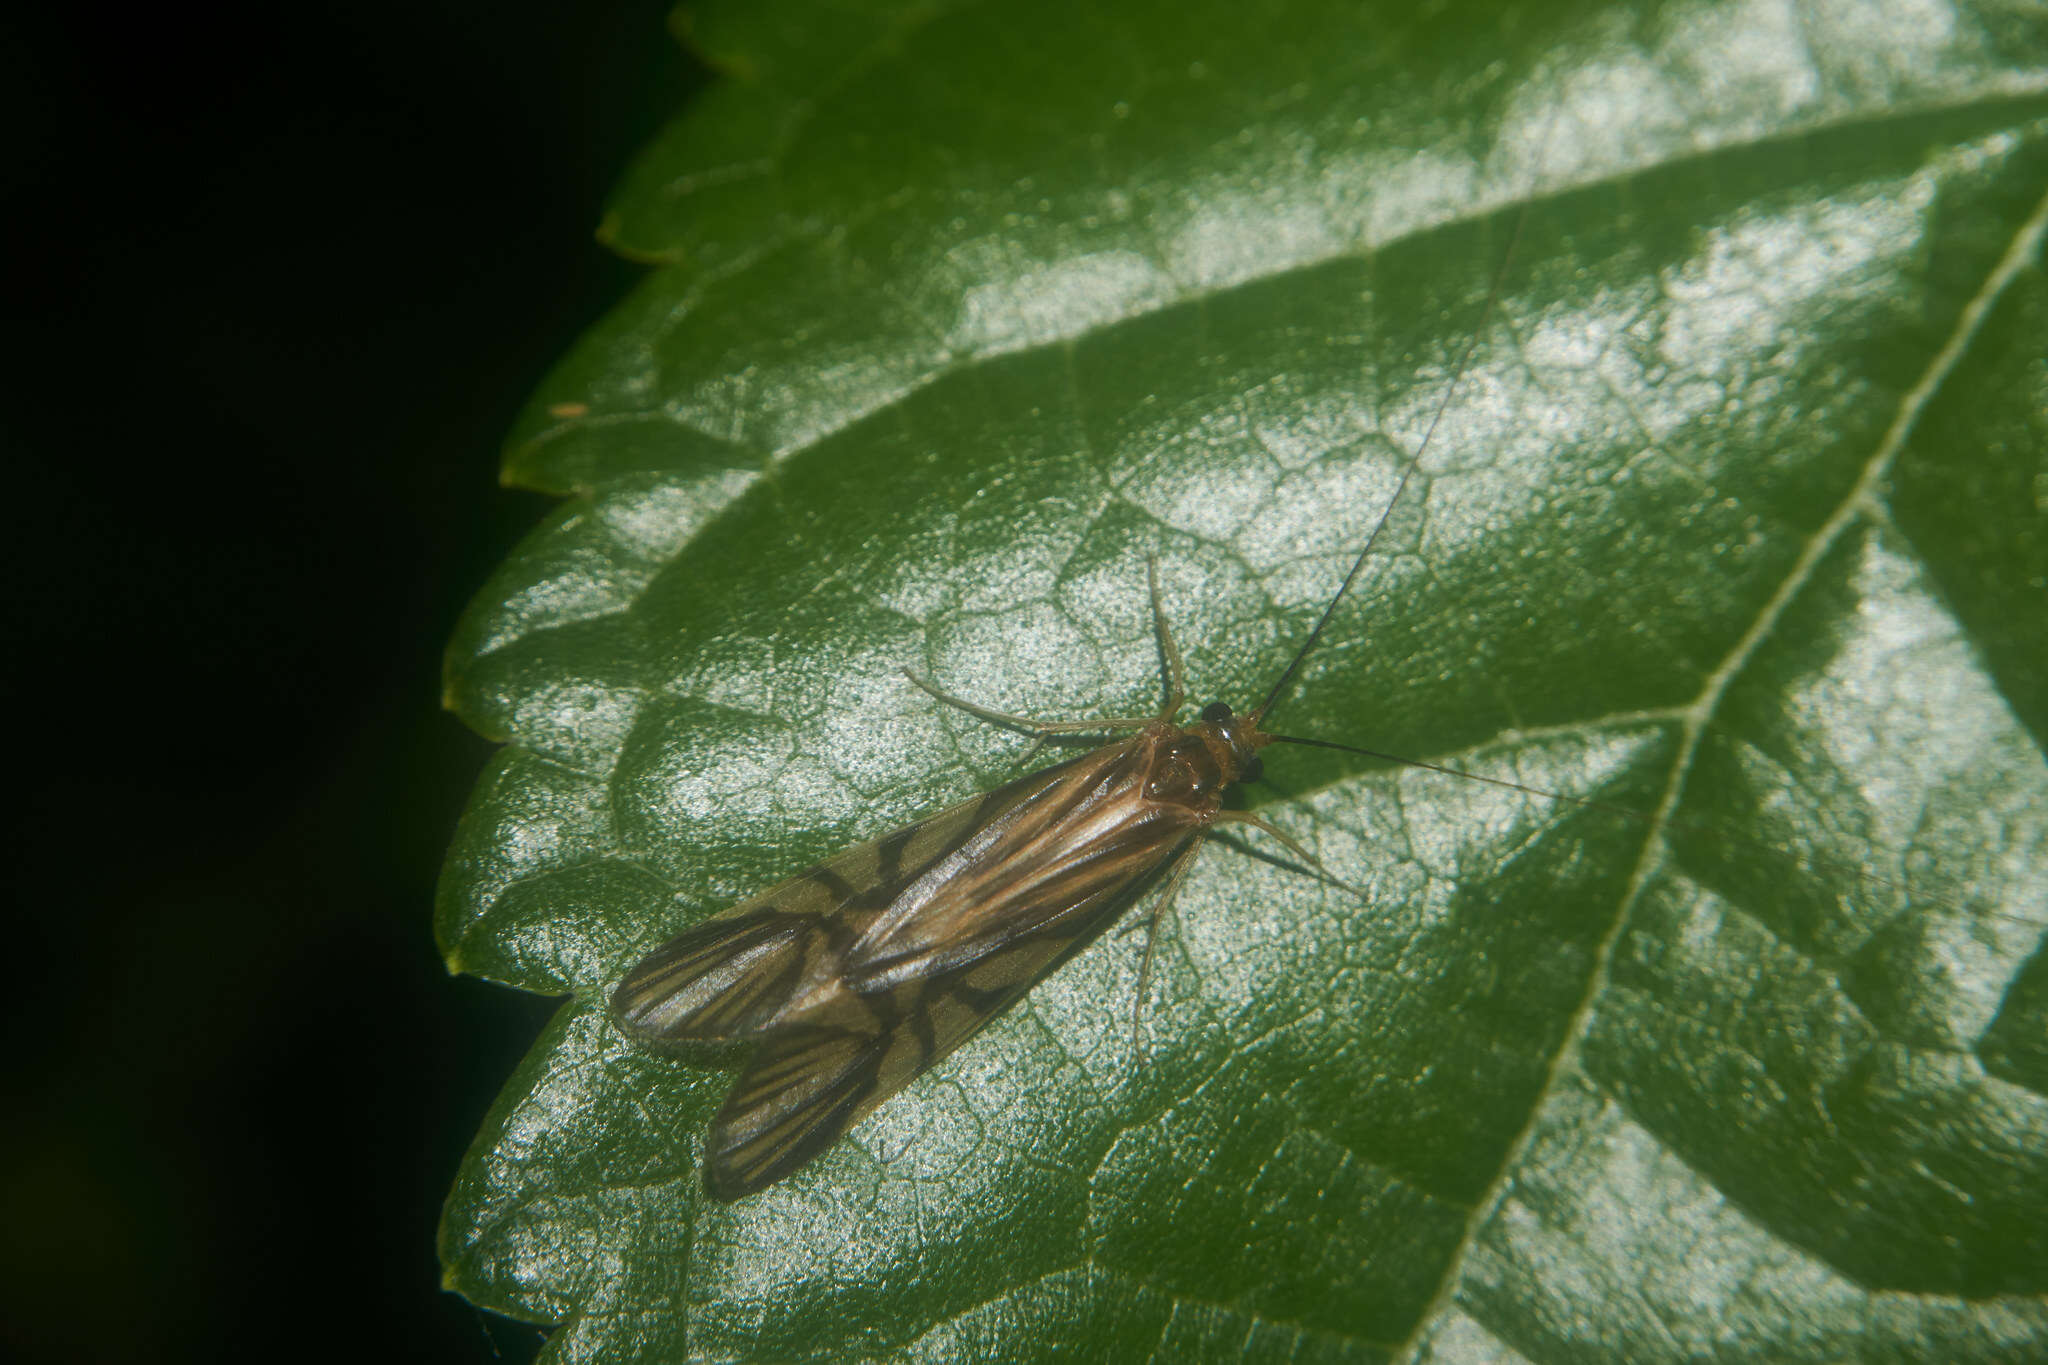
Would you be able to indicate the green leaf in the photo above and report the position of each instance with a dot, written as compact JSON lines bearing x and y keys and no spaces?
{"x":1735,"y":515}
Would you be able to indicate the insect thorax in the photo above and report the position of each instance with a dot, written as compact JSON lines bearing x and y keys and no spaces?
{"x":1192,"y":765}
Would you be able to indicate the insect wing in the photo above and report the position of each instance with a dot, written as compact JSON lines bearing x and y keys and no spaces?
{"x":805,"y":1085}
{"x":745,"y":971}
{"x":1087,"y":837}
{"x":857,"y":975}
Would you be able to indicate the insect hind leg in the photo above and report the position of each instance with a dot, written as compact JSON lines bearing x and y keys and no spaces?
{"x":1175,"y":875}
{"x":1176,"y":685}
{"x":1033,"y":725}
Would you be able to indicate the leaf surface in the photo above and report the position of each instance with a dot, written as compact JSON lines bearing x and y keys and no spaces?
{"x":1733,"y":516}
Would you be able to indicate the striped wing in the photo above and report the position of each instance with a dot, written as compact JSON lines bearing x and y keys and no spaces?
{"x":806,"y":1085}
{"x":855,"y":976}
{"x":750,"y":969}
{"x":1041,"y":867}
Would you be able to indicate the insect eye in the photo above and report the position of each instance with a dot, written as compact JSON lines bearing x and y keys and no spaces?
{"x":1216,"y":710}
{"x":1253,"y":769}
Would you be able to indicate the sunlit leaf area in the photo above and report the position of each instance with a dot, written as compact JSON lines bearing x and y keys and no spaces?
{"x":1692,"y":362}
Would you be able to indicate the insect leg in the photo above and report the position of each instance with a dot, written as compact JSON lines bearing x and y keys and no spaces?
{"x":1037,"y":747}
{"x":1037,"y":727}
{"x":1174,"y":877}
{"x":1176,"y":689}
{"x":1245,"y":817}
{"x":1176,"y":675}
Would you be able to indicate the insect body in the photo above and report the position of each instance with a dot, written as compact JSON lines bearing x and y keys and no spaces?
{"x":852,"y":978}
{"x":855,"y":976}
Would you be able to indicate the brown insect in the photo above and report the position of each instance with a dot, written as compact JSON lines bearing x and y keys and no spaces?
{"x":852,"y":978}
{"x":855,"y":976}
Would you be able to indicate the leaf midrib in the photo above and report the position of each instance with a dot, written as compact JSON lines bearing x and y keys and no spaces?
{"x":1861,"y":501}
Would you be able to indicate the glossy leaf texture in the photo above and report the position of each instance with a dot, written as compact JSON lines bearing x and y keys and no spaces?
{"x":955,"y":314}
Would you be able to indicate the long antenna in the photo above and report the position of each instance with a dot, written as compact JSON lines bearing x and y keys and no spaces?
{"x":1365,"y":552}
{"x":1500,"y":276}
{"x":1608,"y":806}
{"x":1640,"y":817}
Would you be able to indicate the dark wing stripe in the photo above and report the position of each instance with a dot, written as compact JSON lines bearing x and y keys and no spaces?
{"x":976,"y":998}
{"x":736,"y":974}
{"x":840,"y":889}
{"x":919,"y":1019}
{"x":891,"y":849}
{"x":709,"y":983}
{"x":800,"y":1092}
{"x":926,"y":844}
{"x":805,"y":1085}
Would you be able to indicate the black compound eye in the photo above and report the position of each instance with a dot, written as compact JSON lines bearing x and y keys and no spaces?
{"x":1254,"y":768}
{"x":1216,"y":710}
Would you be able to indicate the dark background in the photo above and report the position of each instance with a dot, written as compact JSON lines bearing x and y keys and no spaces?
{"x":278,"y":282}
